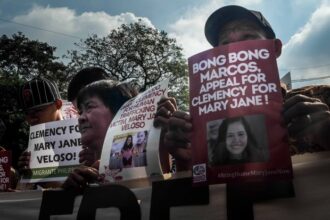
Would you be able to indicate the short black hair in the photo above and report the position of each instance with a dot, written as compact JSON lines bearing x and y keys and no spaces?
{"x":83,"y":78}
{"x":112,"y":93}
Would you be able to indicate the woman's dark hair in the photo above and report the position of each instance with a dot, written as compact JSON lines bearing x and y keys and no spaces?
{"x":112,"y":93}
{"x":220,"y":154}
{"x":126,"y":145}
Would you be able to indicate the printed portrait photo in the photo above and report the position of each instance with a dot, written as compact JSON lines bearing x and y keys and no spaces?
{"x":237,"y":140}
{"x":129,"y":150}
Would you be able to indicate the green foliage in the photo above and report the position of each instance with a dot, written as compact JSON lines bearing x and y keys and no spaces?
{"x":138,"y":53}
{"x":22,"y":58}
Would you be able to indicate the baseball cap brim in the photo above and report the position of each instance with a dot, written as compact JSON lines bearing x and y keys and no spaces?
{"x":230,"y":13}
{"x":39,"y":106}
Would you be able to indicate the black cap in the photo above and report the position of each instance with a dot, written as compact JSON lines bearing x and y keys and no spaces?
{"x":38,"y":92}
{"x":83,"y":78}
{"x":230,"y":13}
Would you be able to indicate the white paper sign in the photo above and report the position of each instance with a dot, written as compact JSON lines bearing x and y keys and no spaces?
{"x":130,"y":149}
{"x":54,"y":148}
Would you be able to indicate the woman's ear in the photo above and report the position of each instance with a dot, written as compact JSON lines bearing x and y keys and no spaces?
{"x":58,"y":103}
{"x":278,"y":48}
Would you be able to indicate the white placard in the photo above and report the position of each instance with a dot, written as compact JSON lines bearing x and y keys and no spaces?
{"x":134,"y":121}
{"x":54,"y":148}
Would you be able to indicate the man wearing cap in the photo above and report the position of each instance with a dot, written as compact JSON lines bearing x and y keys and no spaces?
{"x":231,"y":24}
{"x":239,"y":23}
{"x":41,"y":102}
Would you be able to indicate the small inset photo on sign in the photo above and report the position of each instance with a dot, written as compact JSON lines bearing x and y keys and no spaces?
{"x":129,"y":150}
{"x":237,"y":140}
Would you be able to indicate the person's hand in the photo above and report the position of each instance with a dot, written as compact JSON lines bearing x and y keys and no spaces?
{"x":87,"y":156}
{"x":177,"y":139}
{"x":23,"y":163}
{"x":81,"y":177}
{"x":308,"y":118}
{"x":165,"y":107}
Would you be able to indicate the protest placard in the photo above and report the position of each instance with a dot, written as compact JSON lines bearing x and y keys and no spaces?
{"x":130,"y":149}
{"x":54,"y":148}
{"x":236,"y":102}
{"x":5,"y":164}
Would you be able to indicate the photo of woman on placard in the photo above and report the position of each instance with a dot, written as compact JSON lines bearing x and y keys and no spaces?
{"x":127,"y":152}
{"x":140,"y":149}
{"x":236,"y":144}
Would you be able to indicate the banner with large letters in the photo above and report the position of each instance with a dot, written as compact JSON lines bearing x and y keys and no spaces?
{"x":236,"y":104}
{"x":54,"y":148}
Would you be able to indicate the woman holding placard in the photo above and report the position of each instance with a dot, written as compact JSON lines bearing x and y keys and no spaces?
{"x":98,"y":103}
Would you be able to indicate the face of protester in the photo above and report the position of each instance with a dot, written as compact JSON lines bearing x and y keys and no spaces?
{"x":140,"y":138}
{"x":242,"y":30}
{"x":94,"y":121}
{"x":42,"y":114}
{"x":236,"y":138}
